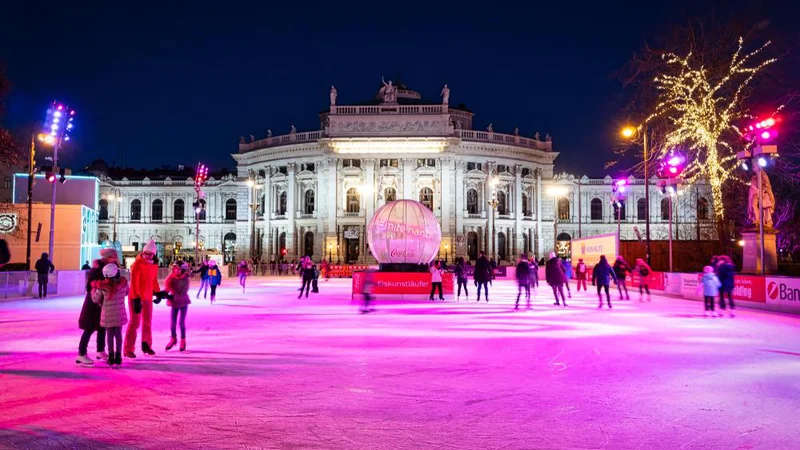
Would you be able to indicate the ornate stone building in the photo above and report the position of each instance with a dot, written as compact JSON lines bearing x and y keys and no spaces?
{"x":314,"y":192}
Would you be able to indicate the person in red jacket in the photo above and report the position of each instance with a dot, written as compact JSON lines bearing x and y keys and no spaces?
{"x":143,"y":286}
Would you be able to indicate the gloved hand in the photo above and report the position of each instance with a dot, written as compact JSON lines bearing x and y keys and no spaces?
{"x":137,"y":305}
{"x":160,"y":295}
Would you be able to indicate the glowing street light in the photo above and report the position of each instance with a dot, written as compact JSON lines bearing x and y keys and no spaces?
{"x":629,"y":132}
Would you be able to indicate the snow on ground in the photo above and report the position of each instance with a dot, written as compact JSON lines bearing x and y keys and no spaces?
{"x":265,"y":370}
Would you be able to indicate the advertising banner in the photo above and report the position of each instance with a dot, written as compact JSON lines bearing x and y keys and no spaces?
{"x":655,"y":280}
{"x":401,"y":283}
{"x":590,"y":249}
{"x":690,"y":286}
{"x":344,"y":271}
{"x":783,"y":291}
{"x":672,"y":283}
{"x":748,"y":288}
{"x":499,"y":271}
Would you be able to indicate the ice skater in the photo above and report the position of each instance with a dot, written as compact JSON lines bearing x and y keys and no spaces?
{"x":89,"y":320}
{"x":621,"y":270}
{"x":566,"y":266}
{"x":110,"y":294}
{"x":533,"y":273}
{"x":177,"y":284}
{"x":726,"y":272}
{"x":306,"y":275}
{"x":436,"y":279}
{"x":601,"y":277}
{"x":580,"y":274}
{"x":523,"y":274}
{"x":482,"y":275}
{"x":710,"y":285}
{"x":44,"y":267}
{"x":644,"y":272}
{"x":143,"y":287}
{"x":461,"y":277}
{"x":555,"y":277}
{"x":203,"y":271}
{"x":369,"y":286}
{"x":243,"y":270}
{"x":214,"y":278}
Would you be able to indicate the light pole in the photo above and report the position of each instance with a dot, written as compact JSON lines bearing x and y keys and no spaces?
{"x":58,"y":125}
{"x":670,"y":171}
{"x":31,"y":177}
{"x":629,"y":132}
{"x":200,"y":177}
{"x":556,"y":192}
{"x":493,"y":204}
{"x":251,"y":183}
{"x":618,"y":196}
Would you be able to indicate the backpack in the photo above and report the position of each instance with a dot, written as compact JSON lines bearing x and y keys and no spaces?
{"x":644,"y":271}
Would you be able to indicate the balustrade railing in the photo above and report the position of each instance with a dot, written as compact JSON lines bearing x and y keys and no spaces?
{"x":511,"y":139}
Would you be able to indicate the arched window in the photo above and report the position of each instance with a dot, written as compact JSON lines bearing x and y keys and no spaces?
{"x":282,"y":204}
{"x":157,"y":210}
{"x":665,"y":208}
{"x":309,"y":201}
{"x":201,"y":214}
{"x":501,"y":203}
{"x":501,"y":246}
{"x":619,"y":210}
{"x":230,"y":209}
{"x":702,"y":209}
{"x":641,"y":210}
{"x":136,"y":210}
{"x":229,"y":247}
{"x":426,"y":197}
{"x":103,"y":209}
{"x":472,"y":201}
{"x":596,"y":209}
{"x":353,"y":201}
{"x":309,"y":244}
{"x":390,"y":194}
{"x":281,"y":245}
{"x":178,"y":210}
{"x":563,"y":209}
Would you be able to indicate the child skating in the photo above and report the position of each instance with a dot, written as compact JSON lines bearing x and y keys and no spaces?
{"x":177,"y":284}
{"x":214,"y":278}
{"x":110,"y":294}
{"x":711,"y":285}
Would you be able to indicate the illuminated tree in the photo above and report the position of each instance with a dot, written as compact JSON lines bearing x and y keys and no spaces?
{"x":702,"y":106}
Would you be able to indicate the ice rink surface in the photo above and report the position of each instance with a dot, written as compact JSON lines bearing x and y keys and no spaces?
{"x":266,"y":370}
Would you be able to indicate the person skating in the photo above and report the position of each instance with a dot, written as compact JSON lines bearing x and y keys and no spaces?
{"x":203,"y":271}
{"x":533,"y":279}
{"x":369,"y":286}
{"x":143,"y":287}
{"x":555,"y":277}
{"x":566,"y":266}
{"x":711,"y":285}
{"x":43,"y":270}
{"x":580,"y":273}
{"x":461,"y":277}
{"x":86,"y":266}
{"x":644,"y":271}
{"x":110,"y":294}
{"x":621,"y":270}
{"x":523,"y":274}
{"x":177,"y":284}
{"x":243,"y":271}
{"x":601,"y":277}
{"x":306,"y":275}
{"x":436,"y":279}
{"x":89,"y":320}
{"x":726,"y":272}
{"x":214,"y":278}
{"x":482,"y":275}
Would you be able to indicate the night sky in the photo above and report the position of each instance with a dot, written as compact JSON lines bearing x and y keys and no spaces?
{"x":181,"y":84}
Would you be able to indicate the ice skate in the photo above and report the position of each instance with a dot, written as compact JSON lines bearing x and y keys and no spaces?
{"x":171,"y":343}
{"x":147,"y":350}
{"x":84,"y":360}
{"x":609,"y":305}
{"x":102,"y":356}
{"x":183,"y":345}
{"x":130,"y":355}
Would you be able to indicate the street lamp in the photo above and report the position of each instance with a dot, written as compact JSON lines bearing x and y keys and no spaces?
{"x":629,"y":132}
{"x":493,"y":203}
{"x":200,"y":178}
{"x":618,"y":196}
{"x":556,"y":192}
{"x":58,"y":126}
{"x":670,"y":171}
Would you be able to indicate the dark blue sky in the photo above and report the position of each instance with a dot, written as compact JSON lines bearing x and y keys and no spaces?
{"x":178,"y":84}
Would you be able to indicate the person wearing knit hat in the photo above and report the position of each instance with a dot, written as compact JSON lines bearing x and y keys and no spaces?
{"x":89,"y":320}
{"x":143,"y":286}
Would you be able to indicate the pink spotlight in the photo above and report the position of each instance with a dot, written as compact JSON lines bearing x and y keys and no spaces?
{"x":766,"y":135}
{"x":673,"y":170}
{"x":674,"y":161}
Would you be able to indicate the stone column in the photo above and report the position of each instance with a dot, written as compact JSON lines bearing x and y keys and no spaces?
{"x":518,"y":203}
{"x":408,"y":174}
{"x":291,"y":188}
{"x":461,"y":192}
{"x":266,"y":191}
{"x":445,"y":196}
{"x":372,"y":187}
{"x":539,"y":243}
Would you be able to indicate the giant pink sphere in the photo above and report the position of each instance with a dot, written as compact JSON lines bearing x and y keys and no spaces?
{"x":404,"y":231}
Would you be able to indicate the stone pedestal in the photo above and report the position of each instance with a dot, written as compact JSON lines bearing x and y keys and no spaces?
{"x":751,"y":257}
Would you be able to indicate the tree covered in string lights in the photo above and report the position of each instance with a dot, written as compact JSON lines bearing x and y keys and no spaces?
{"x":701,"y":107}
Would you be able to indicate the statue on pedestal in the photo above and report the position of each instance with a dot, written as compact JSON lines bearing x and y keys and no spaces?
{"x":334,"y":94}
{"x":269,"y":133}
{"x":293,"y":130}
{"x":490,"y":128}
{"x":445,"y":95}
{"x":388,"y":91}
{"x":767,"y":199}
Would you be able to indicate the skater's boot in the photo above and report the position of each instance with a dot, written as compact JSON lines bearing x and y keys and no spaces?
{"x":171,"y":343}
{"x":609,"y":304}
{"x":213,"y":297}
{"x":84,"y":360}
{"x":183,"y":345}
{"x":102,"y":356}
{"x":147,"y":350}
{"x":130,"y":355}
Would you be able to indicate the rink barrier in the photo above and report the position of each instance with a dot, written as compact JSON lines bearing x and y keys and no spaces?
{"x":771,"y":293}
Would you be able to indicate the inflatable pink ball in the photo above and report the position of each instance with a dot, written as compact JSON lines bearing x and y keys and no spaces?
{"x":404,"y":231}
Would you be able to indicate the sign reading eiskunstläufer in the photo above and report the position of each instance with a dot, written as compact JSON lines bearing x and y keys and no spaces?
{"x":590,"y":249}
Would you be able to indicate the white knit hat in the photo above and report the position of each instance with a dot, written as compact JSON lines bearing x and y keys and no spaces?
{"x":110,"y":270}
{"x":150,"y":247}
